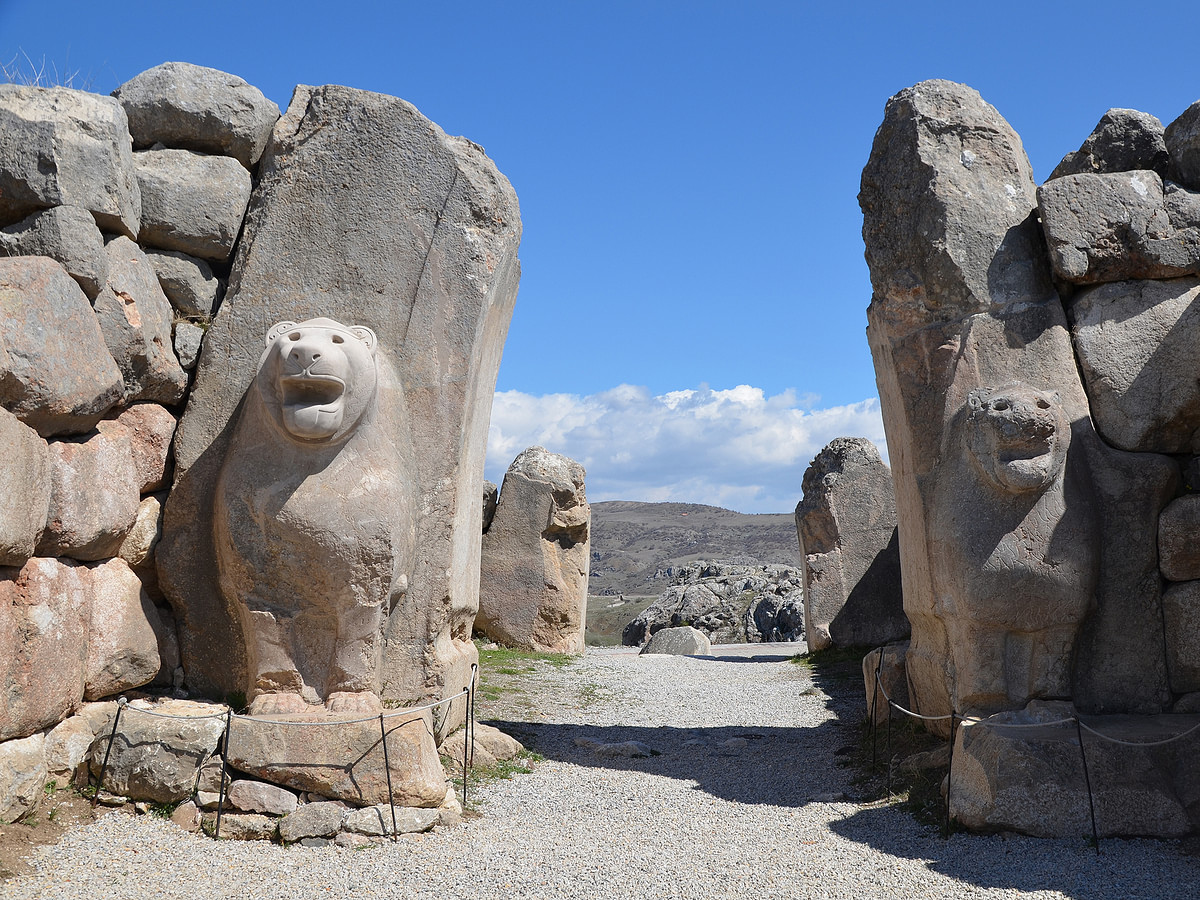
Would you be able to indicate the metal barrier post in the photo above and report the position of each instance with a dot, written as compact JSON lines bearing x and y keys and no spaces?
{"x":111,"y":736}
{"x":387,"y":768}
{"x":224,"y":770}
{"x":950,"y":772}
{"x":1088,"y":782}
{"x":874,"y":698}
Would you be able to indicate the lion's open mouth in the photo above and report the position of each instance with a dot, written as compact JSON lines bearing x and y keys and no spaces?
{"x":312,"y":390}
{"x":312,"y":405}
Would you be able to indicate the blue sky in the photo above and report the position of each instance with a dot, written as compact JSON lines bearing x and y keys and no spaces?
{"x":687,"y":174}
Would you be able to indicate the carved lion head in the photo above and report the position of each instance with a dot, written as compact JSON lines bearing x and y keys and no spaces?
{"x":1017,"y":436}
{"x":318,"y":377}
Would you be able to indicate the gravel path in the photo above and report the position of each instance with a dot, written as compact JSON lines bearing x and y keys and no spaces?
{"x":741,"y":800}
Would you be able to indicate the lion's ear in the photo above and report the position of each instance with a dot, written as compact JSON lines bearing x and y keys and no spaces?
{"x":364,"y":334}
{"x":276,"y":330}
{"x":975,"y":399}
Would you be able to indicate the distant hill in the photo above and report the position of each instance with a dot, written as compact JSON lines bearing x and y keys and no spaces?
{"x":634,"y":544}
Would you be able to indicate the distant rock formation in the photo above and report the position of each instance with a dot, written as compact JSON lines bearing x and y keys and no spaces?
{"x":730,"y":604}
{"x":846,"y":525}
{"x":533,"y":572}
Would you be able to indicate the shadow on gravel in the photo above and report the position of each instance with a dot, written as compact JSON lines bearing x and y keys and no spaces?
{"x":779,"y":766}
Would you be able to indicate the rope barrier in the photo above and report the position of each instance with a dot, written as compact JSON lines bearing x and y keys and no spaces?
{"x":1113,"y":740}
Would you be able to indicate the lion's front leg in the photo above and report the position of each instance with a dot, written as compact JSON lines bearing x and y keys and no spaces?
{"x":354,"y":677}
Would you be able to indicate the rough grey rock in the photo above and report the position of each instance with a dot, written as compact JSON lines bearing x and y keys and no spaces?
{"x":888,"y":663}
{"x":1178,"y":550}
{"x":188,"y":338}
{"x":188,"y":282}
{"x":243,"y":826}
{"x":491,"y":746}
{"x":681,"y":641}
{"x":1123,"y":140}
{"x":94,"y":494}
{"x":1182,"y":139}
{"x":1030,"y":779}
{"x":138,"y":547}
{"x":1137,"y":342}
{"x":491,"y":495}
{"x":45,"y":608}
{"x":258,"y":796}
{"x":1181,"y":622}
{"x":422,"y":244}
{"x":25,"y":482}
{"x":731,"y":604}
{"x":55,"y":373}
{"x":197,"y":108}
{"x":150,"y":431}
{"x":187,"y":816}
{"x":154,"y":758}
{"x":846,"y":525}
{"x":135,"y":318}
{"x":122,"y":650}
{"x":623,"y":750}
{"x":60,"y":147}
{"x":67,"y":234}
{"x":191,"y":202}
{"x":22,"y":776}
{"x":533,"y":570}
{"x":67,"y":745}
{"x":377,"y":820}
{"x":1120,"y":226}
{"x":312,"y":820}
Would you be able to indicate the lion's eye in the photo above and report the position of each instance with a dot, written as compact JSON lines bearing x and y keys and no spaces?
{"x":1043,"y":403}
{"x":1000,"y":405}
{"x":338,"y":339}
{"x":294,"y":336}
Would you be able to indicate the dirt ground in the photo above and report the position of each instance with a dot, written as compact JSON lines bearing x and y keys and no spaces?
{"x":58,"y":811}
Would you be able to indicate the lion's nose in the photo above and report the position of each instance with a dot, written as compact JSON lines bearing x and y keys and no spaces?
{"x":304,"y":355}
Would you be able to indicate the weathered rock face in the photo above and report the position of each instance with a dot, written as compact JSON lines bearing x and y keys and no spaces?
{"x":534,"y":566}
{"x":22,"y":774}
{"x":188,"y":282}
{"x":884,"y":679}
{"x":68,"y":235}
{"x":196,"y":108}
{"x":963,"y":308}
{"x":59,"y":378}
{"x":424,"y":254}
{"x":1182,"y":139}
{"x":313,"y":520}
{"x":1122,"y":141}
{"x":122,"y":650}
{"x":846,"y":525}
{"x":60,"y":147}
{"x":25,"y":484}
{"x":681,"y":641}
{"x":730,"y":604}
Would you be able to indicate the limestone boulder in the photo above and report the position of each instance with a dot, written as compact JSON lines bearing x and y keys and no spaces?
{"x":45,"y":610}
{"x":846,"y":525}
{"x":312,"y":820}
{"x":197,"y":108}
{"x":1182,"y":138}
{"x":122,"y":641}
{"x":188,"y":282}
{"x":1137,"y":341}
{"x":136,"y":320}
{"x":534,"y":566}
{"x":681,"y":641}
{"x":61,"y":147}
{"x":170,"y":673}
{"x":243,"y":826}
{"x":138,"y":547}
{"x":344,"y":759}
{"x":151,"y":428}
{"x":491,"y":745}
{"x":188,"y":338}
{"x":22,"y":776}
{"x":422,"y":249}
{"x":154,"y":758}
{"x":25,"y":483}
{"x":258,"y":796}
{"x":66,"y":234}
{"x":191,"y":202}
{"x":1181,"y":623}
{"x":1122,"y":141}
{"x":56,"y":375}
{"x":884,"y":678}
{"x":94,"y":494}
{"x":375,"y":821}
{"x":1178,"y":552}
{"x":1120,"y":226}
{"x":66,"y":749}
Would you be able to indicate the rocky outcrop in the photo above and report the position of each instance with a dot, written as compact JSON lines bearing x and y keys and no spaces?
{"x":846,"y":525}
{"x":1122,"y":141}
{"x":25,"y":483}
{"x":533,"y":572}
{"x":730,"y":604}
{"x":680,"y":641}
{"x":66,"y":234}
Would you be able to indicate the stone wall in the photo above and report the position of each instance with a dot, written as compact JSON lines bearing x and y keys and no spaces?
{"x":125,"y":222}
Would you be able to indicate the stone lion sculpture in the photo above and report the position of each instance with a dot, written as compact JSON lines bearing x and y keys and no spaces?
{"x":1016,"y":537}
{"x":313,"y":522}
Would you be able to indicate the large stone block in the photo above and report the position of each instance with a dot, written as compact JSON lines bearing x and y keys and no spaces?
{"x":22,"y":776}
{"x":1178,"y":549}
{"x":45,"y":610}
{"x":122,"y":644}
{"x":1182,"y":138}
{"x":188,"y":282}
{"x":534,"y":566}
{"x":1181,"y":622}
{"x":1137,"y":341}
{"x":1120,"y":226}
{"x":846,"y":525}
{"x":135,"y":317}
{"x":60,"y":147}
{"x":421,"y":249}
{"x":197,"y":108}
{"x":150,"y":431}
{"x":340,"y":758}
{"x":56,"y":375}
{"x":25,"y":484}
{"x":94,"y":494}
{"x":67,"y":234}
{"x":191,"y":202}
{"x":1123,"y":140}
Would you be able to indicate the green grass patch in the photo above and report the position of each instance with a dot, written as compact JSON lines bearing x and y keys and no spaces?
{"x":479,"y":776}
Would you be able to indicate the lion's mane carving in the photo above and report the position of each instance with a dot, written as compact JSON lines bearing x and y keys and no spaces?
{"x":313,"y":521}
{"x":1016,"y":539}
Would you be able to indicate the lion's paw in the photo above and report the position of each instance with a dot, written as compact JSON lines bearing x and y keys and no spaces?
{"x":354,"y":702}
{"x":277,"y":702}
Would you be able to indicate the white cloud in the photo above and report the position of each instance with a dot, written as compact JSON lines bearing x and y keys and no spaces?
{"x":736,"y":448}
